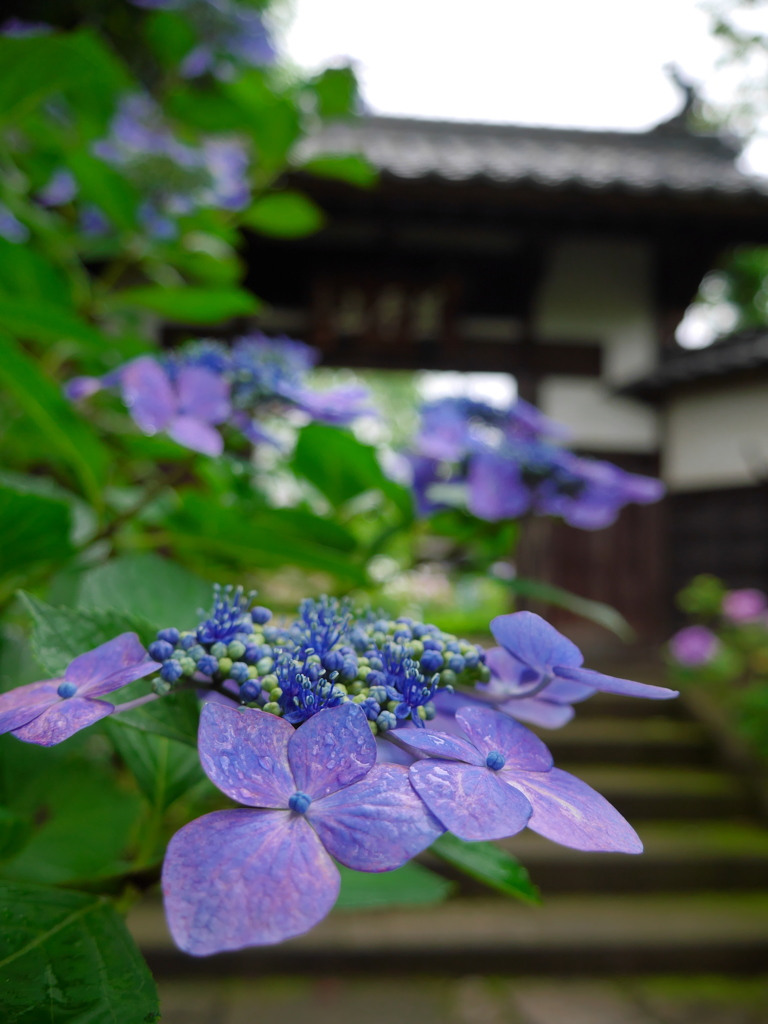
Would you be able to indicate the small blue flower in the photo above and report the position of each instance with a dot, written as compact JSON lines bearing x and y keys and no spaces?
{"x":229,"y":616}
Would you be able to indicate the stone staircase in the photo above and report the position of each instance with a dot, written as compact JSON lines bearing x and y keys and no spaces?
{"x":695,"y":901}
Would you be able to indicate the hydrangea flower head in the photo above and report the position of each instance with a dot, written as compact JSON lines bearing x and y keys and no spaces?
{"x":53,"y":710}
{"x":693,"y":646}
{"x":230,"y":616}
{"x":263,"y":873}
{"x":746,"y":605}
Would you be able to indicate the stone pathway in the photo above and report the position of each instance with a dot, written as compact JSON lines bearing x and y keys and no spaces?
{"x":467,"y":1000}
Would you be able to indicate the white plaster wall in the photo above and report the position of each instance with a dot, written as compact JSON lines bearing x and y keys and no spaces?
{"x":598,"y":420}
{"x":716,"y":438}
{"x":600,"y":289}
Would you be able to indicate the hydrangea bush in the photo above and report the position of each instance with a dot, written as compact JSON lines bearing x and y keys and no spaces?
{"x":724,"y":649}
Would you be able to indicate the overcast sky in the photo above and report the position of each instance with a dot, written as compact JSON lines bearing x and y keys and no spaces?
{"x":580,"y":63}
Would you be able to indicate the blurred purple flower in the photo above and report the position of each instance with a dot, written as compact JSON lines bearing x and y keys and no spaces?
{"x":11,"y":228}
{"x":746,"y":605}
{"x":94,"y":223}
{"x":546,"y":657}
{"x":500,"y":779}
{"x":60,"y":189}
{"x":693,"y":646}
{"x":51,"y":711}
{"x":17,"y":28}
{"x":263,"y":873}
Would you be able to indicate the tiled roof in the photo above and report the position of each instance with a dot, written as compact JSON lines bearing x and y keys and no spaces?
{"x":747,"y":350}
{"x":668,"y":158}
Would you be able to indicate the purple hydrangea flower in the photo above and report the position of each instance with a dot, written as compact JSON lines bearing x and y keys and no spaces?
{"x":546,"y":657}
{"x":746,"y":605}
{"x":500,"y":778}
{"x":61,"y":188}
{"x":693,"y":646}
{"x":53,"y":710}
{"x":11,"y":228}
{"x":185,"y":403}
{"x":263,"y":873}
{"x":552,"y":705}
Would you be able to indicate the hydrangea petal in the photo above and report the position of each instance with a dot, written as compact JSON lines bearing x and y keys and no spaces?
{"x":471,"y":802}
{"x":203,"y":394}
{"x":534,"y":642}
{"x":62,"y":720}
{"x":571,"y":813}
{"x":331,"y":750}
{"x":506,"y":669}
{"x":19,"y":706}
{"x":489,"y":730}
{"x":245,"y":878}
{"x":565,"y":691}
{"x":110,"y":666}
{"x":196,"y":435}
{"x":612,"y":684}
{"x":148,"y":394}
{"x":538,"y":712}
{"x":376,"y":825}
{"x":244,"y":752}
{"x":439,"y":744}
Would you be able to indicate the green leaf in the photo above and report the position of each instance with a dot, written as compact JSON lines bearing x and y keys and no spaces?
{"x":409,"y":886}
{"x":339,"y":465}
{"x":284,"y":215}
{"x":48,"y":323}
{"x":190,"y":305}
{"x":26,"y":275}
{"x":273,"y":120}
{"x":170,"y":36}
{"x":15,"y":830}
{"x":603,"y":614}
{"x":174,"y":717}
{"x":67,"y":958}
{"x":488,"y":864}
{"x":34,"y":68}
{"x":106,"y":187}
{"x":33,"y":530}
{"x":164,"y":769}
{"x":355,"y":170}
{"x":69,"y":436}
{"x":148,"y":587}
{"x":60,"y":634}
{"x":336,"y":92}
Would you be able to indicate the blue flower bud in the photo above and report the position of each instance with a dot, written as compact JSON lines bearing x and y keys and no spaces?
{"x":495,"y":760}
{"x":299,"y":803}
{"x":161,"y":650}
{"x":333,"y":661}
{"x":219,"y":650}
{"x":431,"y":661}
{"x":260,"y":615}
{"x":170,"y":635}
{"x":376,"y":678}
{"x":402,"y":634}
{"x":456,"y":663}
{"x":472,"y":658}
{"x":186,"y":643}
{"x":66,"y":689}
{"x":386,"y":720}
{"x":239,"y":672}
{"x":197,"y":652}
{"x":171,"y":671}
{"x":252,"y":654}
{"x":371,"y":707}
{"x":453,"y":646}
{"x":378,"y":693}
{"x":430,"y":644}
{"x":208,"y":665}
{"x":250,"y":690}
{"x":348,"y":669}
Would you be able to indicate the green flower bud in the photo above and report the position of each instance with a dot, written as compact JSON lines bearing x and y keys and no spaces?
{"x":264,"y":666}
{"x":373,"y":727}
{"x":314,"y":659}
{"x":356,"y":688}
{"x":160,"y":686}
{"x":219,"y":650}
{"x":252,"y":673}
{"x":339,"y":690}
{"x":447,"y":677}
{"x":421,"y":711}
{"x":269,"y":682}
{"x":391,"y":705}
{"x":273,"y":708}
{"x":363,"y":661}
{"x":236,"y":649}
{"x":275,"y":693}
{"x":188,"y":666}
{"x":225,"y":664}
{"x":359,"y":698}
{"x":415,"y":648}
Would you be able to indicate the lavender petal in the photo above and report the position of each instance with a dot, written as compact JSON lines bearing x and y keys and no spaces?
{"x":245,"y":878}
{"x":568,"y":811}
{"x":62,"y":720}
{"x":612,"y":684}
{"x":196,"y":435}
{"x":203,"y":394}
{"x":110,"y":666}
{"x":538,"y":712}
{"x":331,"y":750}
{"x":491,"y":731}
{"x":534,"y":642}
{"x":377,"y":824}
{"x":244,"y":752}
{"x":148,"y":394}
{"x":439,"y":744}
{"x":19,"y":706}
{"x":471,"y":802}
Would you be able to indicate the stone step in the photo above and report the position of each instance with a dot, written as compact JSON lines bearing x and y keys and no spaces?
{"x":651,"y":741}
{"x":675,"y":793}
{"x":679,"y":857}
{"x":569,"y":934}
